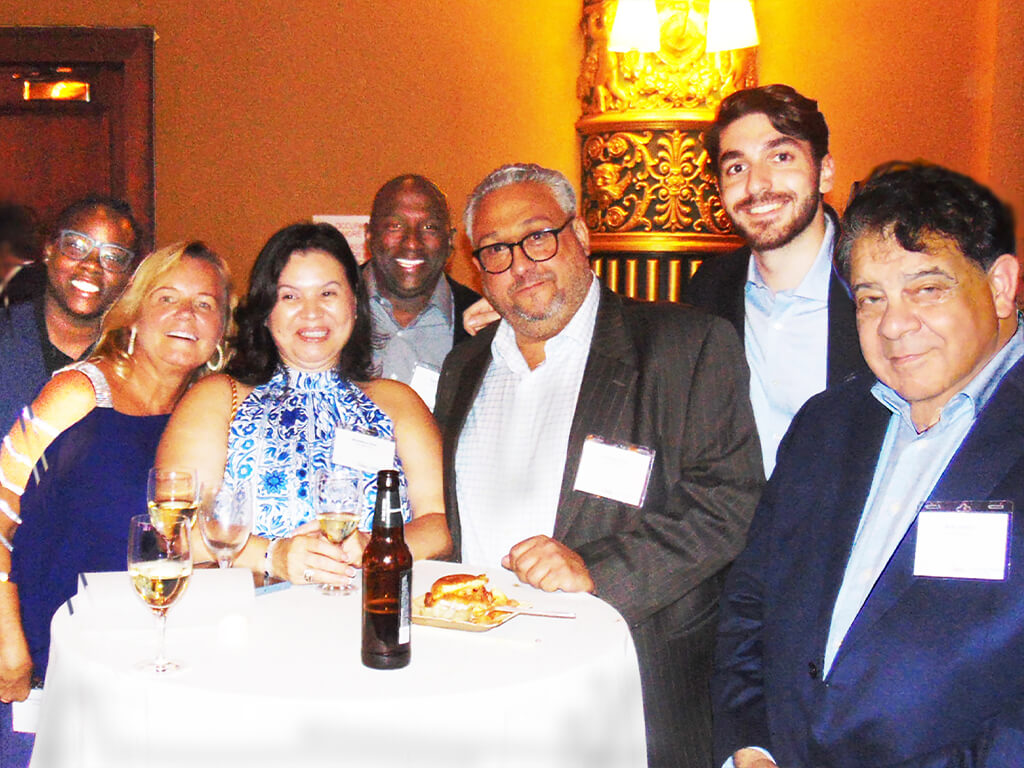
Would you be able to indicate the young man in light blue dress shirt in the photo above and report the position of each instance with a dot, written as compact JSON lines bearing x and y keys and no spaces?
{"x":769,"y":147}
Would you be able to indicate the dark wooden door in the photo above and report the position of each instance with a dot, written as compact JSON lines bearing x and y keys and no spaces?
{"x":53,"y":151}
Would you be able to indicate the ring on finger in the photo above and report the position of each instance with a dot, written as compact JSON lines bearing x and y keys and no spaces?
{"x":307,"y":575}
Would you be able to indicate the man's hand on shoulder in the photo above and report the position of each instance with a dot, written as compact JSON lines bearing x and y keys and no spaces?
{"x":478,"y":316}
{"x":542,"y":562}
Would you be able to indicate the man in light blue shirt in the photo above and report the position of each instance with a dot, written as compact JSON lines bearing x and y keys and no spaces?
{"x":876,"y":617}
{"x":416,"y":309}
{"x":769,"y":147}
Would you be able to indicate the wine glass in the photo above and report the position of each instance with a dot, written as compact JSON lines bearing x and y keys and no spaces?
{"x":338,"y":501}
{"x":159,"y":565}
{"x":225,"y":522}
{"x":172,"y":492}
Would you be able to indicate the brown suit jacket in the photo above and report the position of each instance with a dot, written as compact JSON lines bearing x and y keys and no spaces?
{"x":674,"y":379}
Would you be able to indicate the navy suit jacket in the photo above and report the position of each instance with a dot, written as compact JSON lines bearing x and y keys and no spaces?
{"x":719,"y":287}
{"x":931,"y":673}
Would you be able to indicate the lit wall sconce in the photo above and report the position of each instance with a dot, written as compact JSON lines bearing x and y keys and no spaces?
{"x":730,"y":26}
{"x":649,"y":85}
{"x":636,"y":27}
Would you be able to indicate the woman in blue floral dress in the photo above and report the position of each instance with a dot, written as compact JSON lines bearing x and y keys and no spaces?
{"x":297,"y":397}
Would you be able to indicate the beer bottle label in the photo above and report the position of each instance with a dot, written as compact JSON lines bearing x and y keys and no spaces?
{"x":404,"y":607}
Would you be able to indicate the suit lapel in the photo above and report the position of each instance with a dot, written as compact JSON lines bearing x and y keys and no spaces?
{"x":608,"y":379}
{"x":844,"y":356}
{"x":990,"y":450}
{"x":867,"y":432}
{"x":467,"y":381}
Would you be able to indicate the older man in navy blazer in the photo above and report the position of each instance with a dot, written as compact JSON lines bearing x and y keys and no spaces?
{"x":876,"y":617}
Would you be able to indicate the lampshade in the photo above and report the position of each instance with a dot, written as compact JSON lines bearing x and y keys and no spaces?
{"x":730,"y":25}
{"x":636,"y":27}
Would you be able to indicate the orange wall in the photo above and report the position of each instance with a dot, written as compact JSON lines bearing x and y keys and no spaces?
{"x":940,"y":81}
{"x":268,"y":112}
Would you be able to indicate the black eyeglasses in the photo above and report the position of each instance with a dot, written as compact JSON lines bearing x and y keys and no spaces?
{"x":77,"y":246}
{"x":538,"y":246}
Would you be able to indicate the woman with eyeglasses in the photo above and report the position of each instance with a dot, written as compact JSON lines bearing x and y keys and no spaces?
{"x":74,"y":466}
{"x":299,"y":397}
{"x":88,"y":259}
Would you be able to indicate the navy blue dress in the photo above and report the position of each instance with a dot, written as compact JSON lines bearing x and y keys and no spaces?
{"x":76,"y":520}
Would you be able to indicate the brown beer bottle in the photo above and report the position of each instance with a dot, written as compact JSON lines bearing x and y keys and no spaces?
{"x":387,"y":581}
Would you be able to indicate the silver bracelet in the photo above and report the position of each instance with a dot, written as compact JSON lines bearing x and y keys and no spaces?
{"x":5,"y":543}
{"x":4,"y":577}
{"x":9,"y":511}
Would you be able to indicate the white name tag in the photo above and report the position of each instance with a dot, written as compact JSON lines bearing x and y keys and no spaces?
{"x":424,"y":383}
{"x":614,"y":471}
{"x":366,"y":453}
{"x":25,"y":714}
{"x":963,"y":540}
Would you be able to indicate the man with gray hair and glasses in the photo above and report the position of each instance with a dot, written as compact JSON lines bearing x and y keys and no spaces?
{"x":598,"y":444}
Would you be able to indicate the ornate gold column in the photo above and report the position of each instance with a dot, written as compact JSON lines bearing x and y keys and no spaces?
{"x":650,"y":203}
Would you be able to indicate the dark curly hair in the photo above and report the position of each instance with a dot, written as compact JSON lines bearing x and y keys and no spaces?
{"x":915,"y":201}
{"x":789,"y":112}
{"x":256,"y":356}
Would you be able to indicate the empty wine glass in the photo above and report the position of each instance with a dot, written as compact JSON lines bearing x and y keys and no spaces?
{"x":159,"y":565}
{"x":170,"y":492}
{"x":225,"y":521}
{"x":338,"y":501}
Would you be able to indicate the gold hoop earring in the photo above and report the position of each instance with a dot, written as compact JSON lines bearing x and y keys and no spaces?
{"x":220,"y":360}
{"x":131,"y":342}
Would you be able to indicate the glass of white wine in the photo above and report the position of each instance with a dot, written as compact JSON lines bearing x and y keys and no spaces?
{"x":225,"y":521}
{"x":170,"y":493}
{"x":159,"y":565}
{"x":338,"y":501}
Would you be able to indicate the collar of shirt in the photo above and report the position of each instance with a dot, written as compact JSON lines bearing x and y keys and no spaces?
{"x":441,"y":301}
{"x":974,"y":395}
{"x":577,"y":334}
{"x":814,"y":286}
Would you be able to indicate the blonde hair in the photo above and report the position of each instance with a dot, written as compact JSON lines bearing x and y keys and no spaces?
{"x":115,"y":332}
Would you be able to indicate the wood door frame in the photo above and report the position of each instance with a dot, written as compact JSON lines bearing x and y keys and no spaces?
{"x":129,"y":48}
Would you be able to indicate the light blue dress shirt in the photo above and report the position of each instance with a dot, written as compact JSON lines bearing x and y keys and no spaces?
{"x":786,"y":343}
{"x":909,"y":465}
{"x":426,"y":340}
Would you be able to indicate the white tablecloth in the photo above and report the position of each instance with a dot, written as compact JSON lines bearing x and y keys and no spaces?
{"x":277,"y":681}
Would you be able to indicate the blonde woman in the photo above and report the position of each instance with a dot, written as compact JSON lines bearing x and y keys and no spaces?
{"x":99,"y":423}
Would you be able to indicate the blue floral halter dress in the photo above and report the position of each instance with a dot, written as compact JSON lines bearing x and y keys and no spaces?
{"x":284,"y":432}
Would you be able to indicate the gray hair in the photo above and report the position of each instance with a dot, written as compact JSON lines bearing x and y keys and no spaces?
{"x":518,"y":173}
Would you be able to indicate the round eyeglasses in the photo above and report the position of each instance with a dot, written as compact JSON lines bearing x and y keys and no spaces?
{"x":538,"y":246}
{"x":77,"y":246}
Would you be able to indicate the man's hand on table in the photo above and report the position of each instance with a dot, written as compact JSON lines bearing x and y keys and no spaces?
{"x":547,"y":564}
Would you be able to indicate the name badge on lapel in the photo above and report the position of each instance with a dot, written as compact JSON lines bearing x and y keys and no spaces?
{"x":616,"y":471}
{"x":963,"y":540}
{"x":367,"y":453}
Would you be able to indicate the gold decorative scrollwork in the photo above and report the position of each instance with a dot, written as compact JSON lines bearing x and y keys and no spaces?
{"x":645,"y":183}
{"x":650,"y":181}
